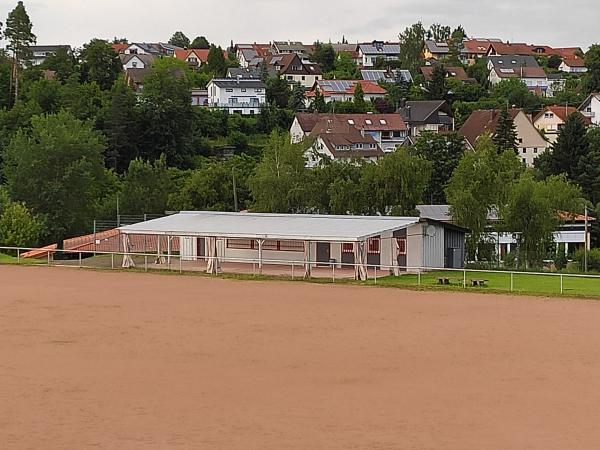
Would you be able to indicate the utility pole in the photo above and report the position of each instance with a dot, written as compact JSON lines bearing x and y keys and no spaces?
{"x":118,"y":216}
{"x":585,"y":246}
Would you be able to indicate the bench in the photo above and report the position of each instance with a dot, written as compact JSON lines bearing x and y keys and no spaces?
{"x":478,"y":282}
{"x":443,"y":280}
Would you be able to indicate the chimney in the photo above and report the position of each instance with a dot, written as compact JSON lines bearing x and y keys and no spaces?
{"x":239,"y":77}
{"x":408,"y":112}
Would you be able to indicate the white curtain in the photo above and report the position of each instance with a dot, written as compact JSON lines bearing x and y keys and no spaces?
{"x":360,"y":261}
{"x":395,"y":254}
{"x":307,"y":258}
{"x":127,"y":259}
{"x":212,"y":265}
{"x":160,"y":259}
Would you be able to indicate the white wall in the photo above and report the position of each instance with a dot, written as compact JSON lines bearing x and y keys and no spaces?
{"x":296,"y":132}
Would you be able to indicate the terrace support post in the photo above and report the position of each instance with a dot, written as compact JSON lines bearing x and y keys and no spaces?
{"x":561,"y":284}
{"x":169,"y":252}
{"x":260,"y":253}
{"x":112,"y":261}
{"x":80,"y":260}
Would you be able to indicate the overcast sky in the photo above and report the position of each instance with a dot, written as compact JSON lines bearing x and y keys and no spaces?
{"x":552,"y":22}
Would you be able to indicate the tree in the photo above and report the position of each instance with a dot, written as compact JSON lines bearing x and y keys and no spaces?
{"x":211,"y":186}
{"x":20,"y":36}
{"x":345,"y":67}
{"x":278,"y":92}
{"x":121,"y":128}
{"x":439,"y":33}
{"x":359,"y":98}
{"x":100,"y":64}
{"x":57,"y":169}
{"x":297,"y":98}
{"x":278,"y":184}
{"x":396,"y":184}
{"x":505,"y":136}
{"x":215,"y":62}
{"x":146,"y":187}
{"x":570,"y":146}
{"x":444,"y":153}
{"x":412,"y":41}
{"x":532,"y":212}
{"x":62,"y":63}
{"x":264,"y":71}
{"x":515,"y":92}
{"x":588,"y":167}
{"x":166,"y":113}
{"x":455,"y":45}
{"x":436,"y":87}
{"x":592,"y":62}
{"x":479,"y":184}
{"x":200,"y":43}
{"x":324,"y":55}
{"x":318,"y":104}
{"x":554,"y":62}
{"x":179,"y":40}
{"x":18,"y":228}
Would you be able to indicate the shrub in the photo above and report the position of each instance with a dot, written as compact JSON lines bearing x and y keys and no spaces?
{"x":593,"y":259}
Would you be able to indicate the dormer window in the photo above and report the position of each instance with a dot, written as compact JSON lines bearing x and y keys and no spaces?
{"x":382,"y":122}
{"x":351,"y":122}
{"x":368,"y":122}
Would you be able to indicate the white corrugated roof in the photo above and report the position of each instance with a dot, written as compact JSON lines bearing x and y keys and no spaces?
{"x":271,"y":226}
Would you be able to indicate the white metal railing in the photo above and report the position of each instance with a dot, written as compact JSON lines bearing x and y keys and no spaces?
{"x":377,"y":270}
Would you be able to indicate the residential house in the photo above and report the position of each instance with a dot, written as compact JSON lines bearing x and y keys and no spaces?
{"x":552,"y":118}
{"x":135,"y":77}
{"x":530,"y":143}
{"x":247,"y":53}
{"x":388,"y":130}
{"x":199,"y":97}
{"x":39,"y":53}
{"x":293,"y":69}
{"x":573,"y":64}
{"x":119,"y":48}
{"x":343,"y":90}
{"x":591,"y":108}
{"x":156,"y":49}
{"x":241,"y":96}
{"x":522,"y":49}
{"x":570,"y":234}
{"x":386,"y":75}
{"x":475,"y":49}
{"x":368,"y":53}
{"x":281,"y":47}
{"x":194,"y":57}
{"x":348,"y":49}
{"x":135,"y":61}
{"x":435,"y":50}
{"x":457,"y":73}
{"x":427,"y":115}
{"x":524,"y":68}
{"x":341,"y":141}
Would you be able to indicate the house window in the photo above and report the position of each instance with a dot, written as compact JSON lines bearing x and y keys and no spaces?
{"x":401,"y":246}
{"x":373,"y":246}
{"x":524,"y":160}
{"x":351,"y":122}
{"x":382,"y":122}
{"x":240,"y":244}
{"x":368,"y":122}
{"x":535,"y":150}
{"x":347,"y":247}
{"x":290,"y":77}
{"x":360,"y":146}
{"x":258,"y":90}
{"x":134,"y":64}
{"x":520,"y":140}
{"x":243,"y":89}
{"x":228,"y":90}
{"x":524,"y":150}
{"x":303,"y":78}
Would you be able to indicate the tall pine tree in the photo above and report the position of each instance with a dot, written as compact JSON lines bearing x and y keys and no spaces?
{"x":436,"y":86}
{"x":505,"y":136}
{"x":20,"y":36}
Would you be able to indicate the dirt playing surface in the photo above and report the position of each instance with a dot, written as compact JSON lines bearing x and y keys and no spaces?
{"x":138,"y":361}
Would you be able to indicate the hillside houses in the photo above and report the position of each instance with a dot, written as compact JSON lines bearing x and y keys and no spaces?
{"x":524,"y":68}
{"x":343,"y":90}
{"x":389,"y":130}
{"x":552,"y":118}
{"x":530,"y":143}
{"x":368,"y":53}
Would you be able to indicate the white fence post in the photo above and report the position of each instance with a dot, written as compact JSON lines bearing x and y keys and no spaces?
{"x":292,"y":270}
{"x":464,"y":278}
{"x":512,"y":281}
{"x":419,"y":277}
{"x":561,"y":284}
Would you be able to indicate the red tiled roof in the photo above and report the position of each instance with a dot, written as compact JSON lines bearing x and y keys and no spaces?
{"x":522,"y":72}
{"x":452,"y":72}
{"x":391,"y":122}
{"x":111,"y":241}
{"x":119,"y":48}
{"x":574,"y":61}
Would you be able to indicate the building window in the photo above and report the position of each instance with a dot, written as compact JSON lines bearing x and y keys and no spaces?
{"x":134,"y":64}
{"x":291,"y":246}
{"x":347,"y":247}
{"x":240,"y":244}
{"x":243,"y":89}
{"x":524,"y":150}
{"x":535,"y":150}
{"x":524,"y":160}
{"x":368,"y":122}
{"x":228,"y":90}
{"x":401,"y":246}
{"x":359,"y":146}
{"x":303,"y":78}
{"x":373,"y":246}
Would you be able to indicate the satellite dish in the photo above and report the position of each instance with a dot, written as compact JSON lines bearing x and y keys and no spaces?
{"x":430,"y":231}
